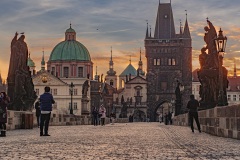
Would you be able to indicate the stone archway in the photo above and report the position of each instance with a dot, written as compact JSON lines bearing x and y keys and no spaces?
{"x":139,"y":116}
{"x":158,"y":106}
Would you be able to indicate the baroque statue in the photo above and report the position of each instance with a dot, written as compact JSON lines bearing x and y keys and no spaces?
{"x":208,"y":74}
{"x":20,"y":85}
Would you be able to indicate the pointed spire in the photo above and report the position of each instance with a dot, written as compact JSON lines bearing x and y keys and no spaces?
{"x":111,"y":53}
{"x":150,"y":31}
{"x":235,"y":69}
{"x":147,"y":35}
{"x":140,"y":54}
{"x":130,"y":60}
{"x":111,"y":72}
{"x":70,"y":24}
{"x":43,"y":62}
{"x":181,"y":27}
{"x":186,"y":32}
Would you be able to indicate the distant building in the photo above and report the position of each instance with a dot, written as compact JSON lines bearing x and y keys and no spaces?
{"x":169,"y":59}
{"x":69,"y":62}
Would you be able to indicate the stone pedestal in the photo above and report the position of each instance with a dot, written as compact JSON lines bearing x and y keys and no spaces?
{"x":85,"y":108}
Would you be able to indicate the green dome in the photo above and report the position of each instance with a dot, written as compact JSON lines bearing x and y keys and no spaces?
{"x":70,"y":30}
{"x":70,"y":50}
{"x":30,"y":63}
{"x":129,"y":70}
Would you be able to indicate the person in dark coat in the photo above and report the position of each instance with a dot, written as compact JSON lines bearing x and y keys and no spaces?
{"x":46,"y":101}
{"x":38,"y":112}
{"x":166,"y":118}
{"x":95,"y":116}
{"x":193,"y":106}
{"x":170,"y":118}
{"x":4,"y":101}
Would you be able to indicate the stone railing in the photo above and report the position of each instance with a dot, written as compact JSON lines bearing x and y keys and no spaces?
{"x":28,"y":120}
{"x":219,"y":121}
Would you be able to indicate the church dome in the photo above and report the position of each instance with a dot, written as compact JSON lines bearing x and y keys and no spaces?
{"x":70,"y":49}
{"x":30,"y":62}
{"x":129,"y":70}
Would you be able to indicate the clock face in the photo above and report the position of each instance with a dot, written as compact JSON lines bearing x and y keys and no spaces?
{"x":165,"y":16}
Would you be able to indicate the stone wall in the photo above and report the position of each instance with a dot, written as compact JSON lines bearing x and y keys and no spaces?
{"x":219,"y":121}
{"x":16,"y":120}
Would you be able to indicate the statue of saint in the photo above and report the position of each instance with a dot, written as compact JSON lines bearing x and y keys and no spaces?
{"x":21,"y":88}
{"x":85,"y":88}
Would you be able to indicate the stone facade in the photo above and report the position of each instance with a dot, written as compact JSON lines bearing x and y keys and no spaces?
{"x":169,"y":59}
{"x":219,"y":121}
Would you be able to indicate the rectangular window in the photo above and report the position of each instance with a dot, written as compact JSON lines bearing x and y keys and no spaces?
{"x":234,"y":97}
{"x":75,"y":92}
{"x":80,"y":71}
{"x":65,"y":72}
{"x":171,"y":62}
{"x":75,"y":105}
{"x":53,"y":71}
{"x":229,"y":97}
{"x":157,"y":62}
{"x":51,"y":91}
{"x":54,"y":91}
{"x":37,"y":92}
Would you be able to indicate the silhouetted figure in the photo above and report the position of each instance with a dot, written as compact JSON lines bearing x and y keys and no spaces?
{"x":193,"y":106}
{"x":95,"y":116}
{"x":38,"y":112}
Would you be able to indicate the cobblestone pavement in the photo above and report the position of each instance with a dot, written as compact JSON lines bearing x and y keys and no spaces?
{"x":120,"y":141}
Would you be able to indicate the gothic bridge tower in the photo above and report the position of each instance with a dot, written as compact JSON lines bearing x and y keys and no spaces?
{"x":169,"y":59}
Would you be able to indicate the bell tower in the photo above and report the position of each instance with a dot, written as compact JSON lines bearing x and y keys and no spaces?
{"x":111,"y":77}
{"x":169,"y":61}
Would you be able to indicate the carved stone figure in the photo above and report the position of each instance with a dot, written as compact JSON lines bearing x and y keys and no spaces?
{"x":85,"y":88}
{"x":208,"y":74}
{"x":20,"y":85}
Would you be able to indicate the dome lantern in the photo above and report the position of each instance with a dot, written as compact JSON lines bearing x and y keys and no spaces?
{"x":70,"y":34}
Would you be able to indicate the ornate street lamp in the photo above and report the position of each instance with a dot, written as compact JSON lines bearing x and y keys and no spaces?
{"x":220,"y":43}
{"x":71,"y":93}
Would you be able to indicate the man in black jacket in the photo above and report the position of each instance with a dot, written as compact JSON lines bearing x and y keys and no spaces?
{"x":193,"y":105}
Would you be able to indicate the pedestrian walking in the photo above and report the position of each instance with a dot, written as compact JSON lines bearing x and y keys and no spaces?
{"x":95,"y":116}
{"x":193,"y":106}
{"x":46,"y":101}
{"x":4,"y":101}
{"x":102,"y":112}
{"x":38,"y":112}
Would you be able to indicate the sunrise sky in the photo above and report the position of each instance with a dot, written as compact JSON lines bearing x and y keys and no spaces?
{"x":121,"y":24}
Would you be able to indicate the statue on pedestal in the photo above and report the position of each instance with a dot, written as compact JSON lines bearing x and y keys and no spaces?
{"x":20,"y":85}
{"x":208,"y":74}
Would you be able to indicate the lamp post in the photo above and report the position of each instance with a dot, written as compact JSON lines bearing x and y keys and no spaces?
{"x":220,"y":43}
{"x":71,"y":93}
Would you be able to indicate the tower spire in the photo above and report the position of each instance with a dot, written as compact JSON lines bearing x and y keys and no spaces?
{"x":180,"y":27}
{"x":130,"y":59}
{"x":111,"y":72}
{"x":186,"y":32}
{"x":150,"y":31}
{"x":43,"y":62}
{"x":235,"y":69}
{"x":147,"y":35}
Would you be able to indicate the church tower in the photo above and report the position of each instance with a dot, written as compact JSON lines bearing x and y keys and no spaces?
{"x":169,"y":60}
{"x":43,"y":63}
{"x":140,"y":65}
{"x":111,"y":77}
